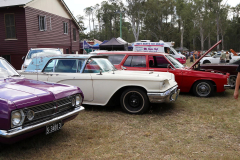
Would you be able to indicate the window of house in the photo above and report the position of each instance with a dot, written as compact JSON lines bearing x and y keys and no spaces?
{"x":10,"y":26}
{"x":65,"y":27}
{"x":74,"y":34}
{"x":158,"y":62}
{"x":135,"y":61}
{"x":42,"y":23}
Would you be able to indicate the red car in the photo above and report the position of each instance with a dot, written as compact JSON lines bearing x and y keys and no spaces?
{"x":202,"y":84}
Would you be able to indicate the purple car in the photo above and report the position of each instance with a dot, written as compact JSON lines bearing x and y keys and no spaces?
{"x":28,"y":107}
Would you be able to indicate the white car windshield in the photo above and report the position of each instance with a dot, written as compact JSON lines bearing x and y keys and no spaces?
{"x":6,"y":70}
{"x":94,"y":65}
{"x":42,"y":53}
{"x":175,"y":62}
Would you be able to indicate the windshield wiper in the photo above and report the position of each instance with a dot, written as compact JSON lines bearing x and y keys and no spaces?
{"x":16,"y":75}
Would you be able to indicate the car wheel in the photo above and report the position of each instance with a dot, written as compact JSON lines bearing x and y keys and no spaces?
{"x":134,"y":101}
{"x":232,"y":81}
{"x":206,"y":61}
{"x":203,"y":89}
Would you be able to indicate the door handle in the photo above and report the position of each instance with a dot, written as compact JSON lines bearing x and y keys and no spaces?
{"x":151,"y":69}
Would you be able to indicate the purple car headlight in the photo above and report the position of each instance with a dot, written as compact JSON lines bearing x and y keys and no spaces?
{"x":17,"y":118}
{"x":78,"y":99}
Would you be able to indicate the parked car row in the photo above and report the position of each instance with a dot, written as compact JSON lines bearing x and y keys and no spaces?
{"x":50,"y":90}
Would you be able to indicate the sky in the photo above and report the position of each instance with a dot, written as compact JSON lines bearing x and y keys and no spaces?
{"x":77,"y":6}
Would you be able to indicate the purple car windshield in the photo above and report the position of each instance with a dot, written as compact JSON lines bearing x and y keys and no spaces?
{"x":6,"y":70}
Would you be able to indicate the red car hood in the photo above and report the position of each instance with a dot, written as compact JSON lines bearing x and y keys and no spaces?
{"x":206,"y":53}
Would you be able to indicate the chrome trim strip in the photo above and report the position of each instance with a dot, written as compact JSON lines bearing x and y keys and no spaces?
{"x":228,"y":86}
{"x":18,"y":131}
{"x":170,"y":95}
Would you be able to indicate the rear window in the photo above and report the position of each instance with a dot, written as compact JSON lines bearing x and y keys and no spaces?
{"x":115,"y":59}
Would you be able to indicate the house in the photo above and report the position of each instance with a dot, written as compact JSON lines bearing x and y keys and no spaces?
{"x":26,"y":24}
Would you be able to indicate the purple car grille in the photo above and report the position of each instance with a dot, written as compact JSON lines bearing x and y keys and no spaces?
{"x":48,"y":110}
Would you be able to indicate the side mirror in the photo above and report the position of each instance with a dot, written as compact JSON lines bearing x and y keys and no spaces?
{"x":123,"y":68}
{"x":23,"y":57}
{"x":169,"y":66}
{"x":100,"y":73}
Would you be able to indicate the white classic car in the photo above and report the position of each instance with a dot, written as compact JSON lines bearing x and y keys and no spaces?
{"x":216,"y":59}
{"x":101,"y":83}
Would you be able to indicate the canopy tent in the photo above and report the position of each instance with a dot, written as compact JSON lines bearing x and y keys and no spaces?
{"x":86,"y":47}
{"x":181,"y":49}
{"x":105,"y":41}
{"x":130,"y":47}
{"x":97,"y":41}
{"x":114,"y":44}
{"x":95,"y":46}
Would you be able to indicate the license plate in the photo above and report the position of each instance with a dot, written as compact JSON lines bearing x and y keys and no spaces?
{"x":53,"y":127}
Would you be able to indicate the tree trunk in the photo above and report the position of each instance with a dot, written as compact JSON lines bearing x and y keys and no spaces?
{"x":202,"y":38}
{"x":222,"y":43}
{"x":209,"y":40}
{"x":182,"y":32}
{"x":194,"y":44}
{"x":89,"y":22}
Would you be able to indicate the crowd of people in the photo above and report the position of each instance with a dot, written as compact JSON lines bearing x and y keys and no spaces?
{"x":225,"y":57}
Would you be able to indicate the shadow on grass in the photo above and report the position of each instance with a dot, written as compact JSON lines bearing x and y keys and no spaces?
{"x":45,"y":143}
{"x":103,"y":108}
{"x":160,"y":109}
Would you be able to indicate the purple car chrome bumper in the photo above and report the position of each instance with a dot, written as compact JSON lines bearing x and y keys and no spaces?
{"x":19,"y":131}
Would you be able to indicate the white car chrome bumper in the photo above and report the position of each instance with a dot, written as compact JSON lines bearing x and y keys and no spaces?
{"x":170,"y":95}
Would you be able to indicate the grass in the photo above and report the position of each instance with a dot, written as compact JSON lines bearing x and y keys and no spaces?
{"x":191,"y":128}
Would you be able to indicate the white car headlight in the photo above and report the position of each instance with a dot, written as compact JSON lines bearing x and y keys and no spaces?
{"x":78,"y":99}
{"x":17,"y":118}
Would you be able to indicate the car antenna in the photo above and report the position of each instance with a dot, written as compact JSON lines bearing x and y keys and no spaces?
{"x":37,"y":66}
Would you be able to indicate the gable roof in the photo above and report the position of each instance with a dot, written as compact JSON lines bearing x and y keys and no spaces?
{"x":11,"y":3}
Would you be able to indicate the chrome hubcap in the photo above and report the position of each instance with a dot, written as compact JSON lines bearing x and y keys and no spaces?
{"x":232,"y":81}
{"x":203,"y":89}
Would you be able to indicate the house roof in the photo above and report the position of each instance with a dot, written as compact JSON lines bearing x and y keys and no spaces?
{"x":10,"y":3}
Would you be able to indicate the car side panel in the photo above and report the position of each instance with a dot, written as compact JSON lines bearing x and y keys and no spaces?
{"x":190,"y":77}
{"x":105,"y":88}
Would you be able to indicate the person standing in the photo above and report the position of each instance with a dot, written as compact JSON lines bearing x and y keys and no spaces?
{"x":228,"y":57}
{"x":223,"y":57}
{"x":236,"y":92}
{"x":195,"y":54}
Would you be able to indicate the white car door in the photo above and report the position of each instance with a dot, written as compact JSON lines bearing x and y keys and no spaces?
{"x":67,"y":72}
{"x":215,"y":58}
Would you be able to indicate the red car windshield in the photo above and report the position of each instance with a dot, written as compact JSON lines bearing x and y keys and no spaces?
{"x":175,"y":62}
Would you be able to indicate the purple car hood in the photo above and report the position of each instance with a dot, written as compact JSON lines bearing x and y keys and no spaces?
{"x":24,"y":92}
